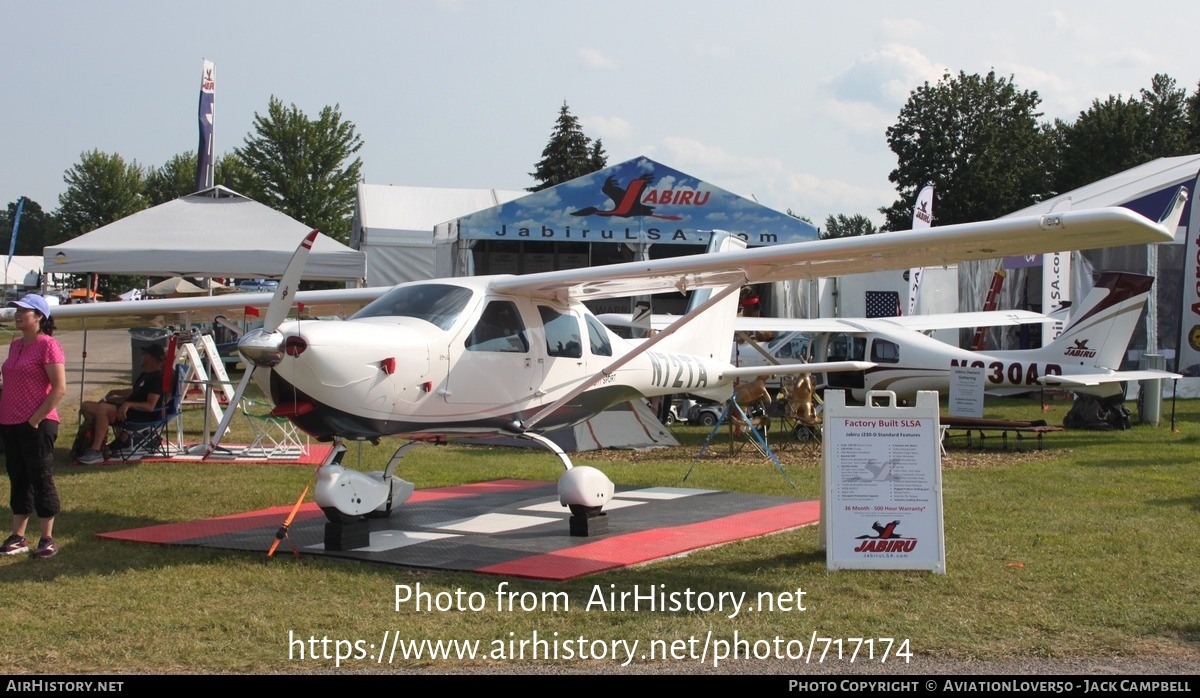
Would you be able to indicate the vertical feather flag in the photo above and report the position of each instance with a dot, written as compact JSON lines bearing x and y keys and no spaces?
{"x":12,"y":243}
{"x":922,"y":218}
{"x":207,"y":114}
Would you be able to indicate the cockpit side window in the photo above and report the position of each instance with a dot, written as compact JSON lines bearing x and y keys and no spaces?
{"x":562,"y":333}
{"x":846,"y":347}
{"x":499,"y":329}
{"x":885,"y":352}
{"x":793,"y":347}
{"x":598,"y":338}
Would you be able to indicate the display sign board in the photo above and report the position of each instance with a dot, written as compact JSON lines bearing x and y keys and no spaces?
{"x":966,"y":391}
{"x":881,"y":505}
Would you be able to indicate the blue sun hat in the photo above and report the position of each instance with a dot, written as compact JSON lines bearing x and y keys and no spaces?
{"x":32,"y":301}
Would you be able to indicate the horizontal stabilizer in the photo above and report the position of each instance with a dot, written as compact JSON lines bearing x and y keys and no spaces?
{"x":1088,"y":379}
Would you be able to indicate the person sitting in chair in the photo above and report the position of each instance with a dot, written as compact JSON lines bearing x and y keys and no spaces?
{"x":141,"y":400}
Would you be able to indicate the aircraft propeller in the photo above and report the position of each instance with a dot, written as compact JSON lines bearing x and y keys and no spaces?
{"x":264,"y":346}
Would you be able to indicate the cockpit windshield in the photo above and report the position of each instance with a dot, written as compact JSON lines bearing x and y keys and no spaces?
{"x":439,"y":304}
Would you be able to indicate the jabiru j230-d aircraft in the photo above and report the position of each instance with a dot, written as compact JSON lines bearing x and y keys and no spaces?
{"x":1084,"y":359}
{"x":516,"y":355}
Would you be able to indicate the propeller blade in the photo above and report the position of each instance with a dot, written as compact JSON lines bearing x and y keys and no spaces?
{"x":234,"y":403}
{"x":281,"y":302}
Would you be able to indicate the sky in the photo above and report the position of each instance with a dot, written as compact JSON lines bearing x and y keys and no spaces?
{"x":785,"y":102}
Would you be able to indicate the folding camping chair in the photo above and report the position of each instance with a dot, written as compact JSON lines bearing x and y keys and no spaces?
{"x":274,"y":437}
{"x":147,"y":431}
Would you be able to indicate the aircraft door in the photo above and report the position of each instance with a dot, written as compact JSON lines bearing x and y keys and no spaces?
{"x":493,"y":364}
{"x":562,"y":358}
{"x":846,"y":347}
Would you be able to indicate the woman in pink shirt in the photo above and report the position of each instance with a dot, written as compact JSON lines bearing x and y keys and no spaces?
{"x":35,"y":379}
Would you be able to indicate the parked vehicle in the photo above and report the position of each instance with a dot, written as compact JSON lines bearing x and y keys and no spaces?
{"x":254,"y":285}
{"x":706,"y":413}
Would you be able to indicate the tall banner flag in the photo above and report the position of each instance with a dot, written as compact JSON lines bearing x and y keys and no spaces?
{"x":204,"y":152}
{"x":922,"y":218}
{"x":12,"y":242}
{"x":1056,"y":292}
{"x":1189,"y":331}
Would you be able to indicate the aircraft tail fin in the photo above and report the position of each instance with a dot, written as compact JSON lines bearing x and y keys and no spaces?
{"x":1099,"y":332}
{"x":711,"y":333}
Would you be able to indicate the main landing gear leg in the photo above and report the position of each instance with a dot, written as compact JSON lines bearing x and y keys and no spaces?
{"x":584,"y":489}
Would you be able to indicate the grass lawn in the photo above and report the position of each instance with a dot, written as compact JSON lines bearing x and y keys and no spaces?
{"x":1074,"y":551}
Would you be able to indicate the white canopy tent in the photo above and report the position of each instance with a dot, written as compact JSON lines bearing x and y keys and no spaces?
{"x":395,"y":226}
{"x":215,"y":232}
{"x":174,"y":286}
{"x":23,"y":271}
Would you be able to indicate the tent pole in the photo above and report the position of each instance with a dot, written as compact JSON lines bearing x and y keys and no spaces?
{"x":83,"y":371}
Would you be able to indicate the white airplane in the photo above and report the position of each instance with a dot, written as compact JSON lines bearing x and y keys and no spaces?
{"x":1084,"y":359}
{"x":516,"y":355}
{"x":801,"y":340}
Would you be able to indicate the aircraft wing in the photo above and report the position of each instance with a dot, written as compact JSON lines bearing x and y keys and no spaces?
{"x":918,"y":323}
{"x":982,"y":318}
{"x":789,"y":369}
{"x":179,"y":311}
{"x":1053,"y":232}
{"x":1084,"y":379}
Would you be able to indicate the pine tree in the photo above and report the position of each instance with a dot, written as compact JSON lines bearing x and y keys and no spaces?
{"x":568,"y":155}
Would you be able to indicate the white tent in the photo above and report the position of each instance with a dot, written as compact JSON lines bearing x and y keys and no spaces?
{"x":1134,"y":188}
{"x":174,"y":286}
{"x":216,"y":232}
{"x":23,"y":270}
{"x":394,"y":226}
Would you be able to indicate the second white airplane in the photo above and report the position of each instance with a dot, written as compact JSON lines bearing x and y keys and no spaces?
{"x":1085,"y":358}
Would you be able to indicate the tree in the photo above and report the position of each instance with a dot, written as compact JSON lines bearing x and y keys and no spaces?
{"x":101,"y":188}
{"x":568,"y":155}
{"x":599,"y":157}
{"x":303,"y":167}
{"x":842,"y":226}
{"x":977,"y":139}
{"x":37,"y":229}
{"x":1107,"y":138}
{"x":1166,"y":112}
{"x":174,"y":179}
{"x":1116,"y":134}
{"x":1193,"y":119}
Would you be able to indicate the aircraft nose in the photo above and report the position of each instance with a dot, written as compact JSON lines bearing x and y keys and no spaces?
{"x":262,"y":348}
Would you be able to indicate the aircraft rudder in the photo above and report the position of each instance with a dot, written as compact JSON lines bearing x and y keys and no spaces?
{"x":710,"y":334}
{"x":1100,"y":329}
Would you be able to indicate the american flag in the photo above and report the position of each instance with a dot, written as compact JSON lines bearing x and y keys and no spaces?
{"x":883,"y":303}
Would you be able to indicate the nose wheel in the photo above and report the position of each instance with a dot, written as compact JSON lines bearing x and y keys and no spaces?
{"x":349,"y":497}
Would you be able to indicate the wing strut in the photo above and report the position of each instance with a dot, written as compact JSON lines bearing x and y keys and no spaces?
{"x":641,"y":349}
